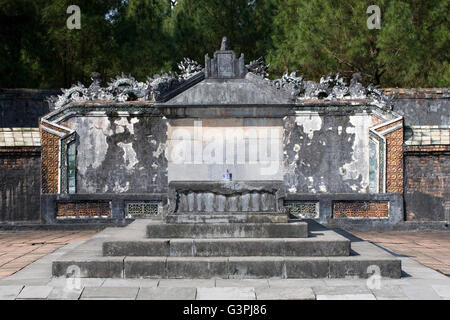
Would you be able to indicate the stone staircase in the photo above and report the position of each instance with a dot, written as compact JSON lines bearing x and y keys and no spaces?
{"x":158,"y":249}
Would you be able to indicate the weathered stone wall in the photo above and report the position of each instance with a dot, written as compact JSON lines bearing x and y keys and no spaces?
{"x":23,"y":107}
{"x":326,"y":153}
{"x":202,"y":150}
{"x":117,"y":154}
{"x":422,"y":106}
{"x":427,"y":166}
{"x":20,"y":184}
{"x":427,"y":181}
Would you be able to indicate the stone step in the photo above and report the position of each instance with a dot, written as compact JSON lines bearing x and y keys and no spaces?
{"x":227,"y":218}
{"x":229,"y":267}
{"x":233,"y":230}
{"x":315,"y":247}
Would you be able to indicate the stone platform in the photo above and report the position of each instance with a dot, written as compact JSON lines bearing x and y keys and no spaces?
{"x":154,"y":249}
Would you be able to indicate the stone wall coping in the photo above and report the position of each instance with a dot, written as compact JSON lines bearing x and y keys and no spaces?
{"x":19,"y":137}
{"x":418,"y":93}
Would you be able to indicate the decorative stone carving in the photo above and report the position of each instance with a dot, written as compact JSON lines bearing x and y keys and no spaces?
{"x":126,"y":88}
{"x":290,"y":82}
{"x":224,"y":45}
{"x":224,"y":64}
{"x":163,"y":83}
{"x":77,"y":93}
{"x":235,"y":196}
{"x":331,"y":88}
{"x":258,"y":67}
{"x":188,"y":68}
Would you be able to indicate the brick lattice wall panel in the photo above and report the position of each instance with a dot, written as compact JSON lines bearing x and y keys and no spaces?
{"x":83,"y":209}
{"x":50,"y":158}
{"x":360,"y":209}
{"x":394,"y":161}
{"x":394,"y":157}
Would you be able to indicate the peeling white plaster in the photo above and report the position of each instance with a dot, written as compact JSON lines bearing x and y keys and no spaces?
{"x":359,"y":166}
{"x":129,"y":155}
{"x":119,"y":189}
{"x":123,"y":123}
{"x":311,"y":121}
{"x":161,"y":149}
{"x":350,"y":130}
{"x":119,"y":129}
{"x":93,"y":146}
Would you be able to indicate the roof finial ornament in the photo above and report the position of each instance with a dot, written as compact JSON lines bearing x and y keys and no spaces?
{"x":224,"y":46}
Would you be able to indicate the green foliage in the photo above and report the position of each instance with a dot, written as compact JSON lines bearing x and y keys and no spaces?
{"x":317,"y":37}
{"x":143,"y":37}
{"x":143,"y":46}
{"x":18,"y":20}
{"x":198,"y":26}
{"x":69,"y":56}
{"x":414,"y":43}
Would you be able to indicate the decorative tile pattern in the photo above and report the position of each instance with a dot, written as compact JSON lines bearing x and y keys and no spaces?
{"x":394,"y":161}
{"x":100,"y":209}
{"x":360,"y":209}
{"x":50,"y":158}
{"x":427,"y":135}
{"x":142,"y":209}
{"x":394,"y":155}
{"x":439,"y":148}
{"x":303,"y":209}
{"x":421,"y":93}
{"x":19,"y":137}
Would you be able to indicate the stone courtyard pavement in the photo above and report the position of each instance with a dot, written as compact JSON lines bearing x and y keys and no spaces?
{"x":20,"y":248}
{"x":430,"y":248}
{"x":34,"y":281}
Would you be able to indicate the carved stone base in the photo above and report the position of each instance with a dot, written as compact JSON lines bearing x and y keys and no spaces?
{"x":232,"y":197}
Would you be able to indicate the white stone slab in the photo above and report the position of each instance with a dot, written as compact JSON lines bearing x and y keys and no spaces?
{"x":346,"y":297}
{"x":10,"y":292}
{"x":64,"y":294}
{"x":227,"y":293}
{"x":143,"y":283}
{"x":34,"y":292}
{"x":442,"y":291}
{"x":106,"y":293}
{"x":285,"y":294}
{"x":186,"y":283}
{"x":248,"y":283}
{"x":172,"y":293}
{"x":420,"y":292}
